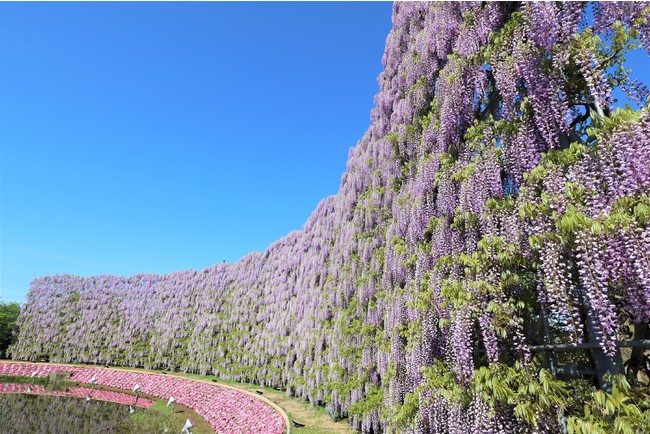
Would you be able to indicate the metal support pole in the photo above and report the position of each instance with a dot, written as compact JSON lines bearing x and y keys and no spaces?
{"x":575,"y":370}
{"x":604,"y":364}
{"x":553,"y":361}
{"x":590,"y":345}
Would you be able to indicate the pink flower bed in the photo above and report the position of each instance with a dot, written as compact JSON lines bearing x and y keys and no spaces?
{"x":109,"y":395}
{"x":228,"y":411}
{"x":78,"y":392}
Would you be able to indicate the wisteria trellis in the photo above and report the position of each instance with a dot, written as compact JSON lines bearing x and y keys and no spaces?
{"x":496,"y":181}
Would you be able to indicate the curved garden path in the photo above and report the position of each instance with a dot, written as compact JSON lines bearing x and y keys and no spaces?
{"x":226,"y":408}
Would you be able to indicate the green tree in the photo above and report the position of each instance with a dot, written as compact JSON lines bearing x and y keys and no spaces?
{"x":8,"y":316}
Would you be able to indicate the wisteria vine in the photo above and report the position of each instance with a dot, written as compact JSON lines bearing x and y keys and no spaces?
{"x":499,"y":197}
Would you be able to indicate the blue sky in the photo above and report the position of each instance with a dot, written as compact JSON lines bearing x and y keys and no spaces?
{"x":156,"y":137}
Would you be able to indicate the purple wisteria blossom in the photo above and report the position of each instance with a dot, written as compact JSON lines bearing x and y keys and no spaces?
{"x":496,"y":173}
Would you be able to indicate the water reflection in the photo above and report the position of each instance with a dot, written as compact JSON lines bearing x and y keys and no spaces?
{"x":55,"y":414}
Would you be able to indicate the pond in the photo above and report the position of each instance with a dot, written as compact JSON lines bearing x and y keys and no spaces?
{"x":25,"y":413}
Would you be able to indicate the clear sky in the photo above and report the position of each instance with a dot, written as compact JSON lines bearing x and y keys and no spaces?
{"x":156,"y":137}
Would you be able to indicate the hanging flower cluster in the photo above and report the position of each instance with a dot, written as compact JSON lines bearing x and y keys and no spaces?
{"x":498,"y":198}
